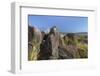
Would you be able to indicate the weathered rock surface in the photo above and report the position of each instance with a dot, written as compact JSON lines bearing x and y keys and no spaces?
{"x":54,"y":45}
{"x":34,"y":41}
{"x":49,"y":45}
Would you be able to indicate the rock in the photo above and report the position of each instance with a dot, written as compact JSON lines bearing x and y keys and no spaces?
{"x":73,"y":50}
{"x":34,"y":41}
{"x":64,"y":54}
{"x":52,"y":45}
{"x":34,"y":34}
{"x":30,"y":33}
{"x":45,"y":48}
{"x":49,"y":46}
{"x":54,"y":38}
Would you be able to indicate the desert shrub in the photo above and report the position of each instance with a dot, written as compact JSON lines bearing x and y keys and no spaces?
{"x":62,"y":41}
{"x":71,"y":40}
{"x":33,"y":53}
{"x":65,"y":39}
{"x":83,"y":50}
{"x":77,"y":54}
{"x":83,"y":38}
{"x":70,"y":35}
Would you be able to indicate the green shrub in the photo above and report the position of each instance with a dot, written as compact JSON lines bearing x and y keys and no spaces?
{"x":83,"y":50}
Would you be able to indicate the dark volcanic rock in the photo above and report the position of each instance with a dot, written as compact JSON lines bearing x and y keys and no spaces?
{"x":45,"y":48}
{"x":49,"y":45}
{"x":30,"y":33}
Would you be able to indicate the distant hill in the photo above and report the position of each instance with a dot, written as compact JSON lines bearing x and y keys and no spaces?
{"x":81,"y":33}
{"x":77,"y":33}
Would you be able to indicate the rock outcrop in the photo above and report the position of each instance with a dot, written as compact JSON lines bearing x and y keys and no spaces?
{"x":49,"y":45}
{"x":55,"y":45}
{"x":34,"y":41}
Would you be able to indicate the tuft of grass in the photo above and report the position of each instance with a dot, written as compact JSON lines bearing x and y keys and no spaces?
{"x":33,"y":54}
{"x":83,"y":50}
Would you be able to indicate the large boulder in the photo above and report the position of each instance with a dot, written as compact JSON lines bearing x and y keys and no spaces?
{"x":49,"y":45}
{"x":45,"y":48}
{"x":73,"y":50}
{"x":67,"y":47}
{"x":64,"y":54}
{"x":54,"y":38}
{"x":34,"y":34}
{"x":34,"y":41}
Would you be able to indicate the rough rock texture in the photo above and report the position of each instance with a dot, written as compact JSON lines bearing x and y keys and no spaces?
{"x":45,"y":48}
{"x":64,"y":54}
{"x":49,"y":45}
{"x":54,"y":38}
{"x":73,"y":51}
{"x":55,"y":45}
{"x":34,"y":41}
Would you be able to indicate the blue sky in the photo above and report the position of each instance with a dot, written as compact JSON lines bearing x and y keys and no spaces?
{"x":63,"y":23}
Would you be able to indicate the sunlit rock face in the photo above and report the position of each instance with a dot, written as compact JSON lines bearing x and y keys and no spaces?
{"x":54,"y":39}
{"x":34,"y":41}
{"x":34,"y":34}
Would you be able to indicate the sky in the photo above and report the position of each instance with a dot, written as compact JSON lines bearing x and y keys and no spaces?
{"x":63,"y":23}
